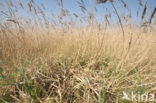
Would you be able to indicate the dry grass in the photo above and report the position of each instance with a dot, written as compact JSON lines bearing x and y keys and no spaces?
{"x":76,"y":65}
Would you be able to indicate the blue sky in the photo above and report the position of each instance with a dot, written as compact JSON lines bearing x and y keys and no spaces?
{"x":73,"y":7}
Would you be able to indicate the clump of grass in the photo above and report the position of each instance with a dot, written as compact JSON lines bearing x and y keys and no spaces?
{"x":53,"y":63}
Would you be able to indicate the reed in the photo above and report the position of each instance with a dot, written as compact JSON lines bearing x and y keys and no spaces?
{"x":59,"y":60}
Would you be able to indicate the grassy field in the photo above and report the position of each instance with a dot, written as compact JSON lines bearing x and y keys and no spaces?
{"x":92,"y":64}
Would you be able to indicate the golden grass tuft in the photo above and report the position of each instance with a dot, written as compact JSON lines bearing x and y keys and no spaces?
{"x":64,"y":63}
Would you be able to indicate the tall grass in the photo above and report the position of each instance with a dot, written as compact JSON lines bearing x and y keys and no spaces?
{"x":60,"y":62}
